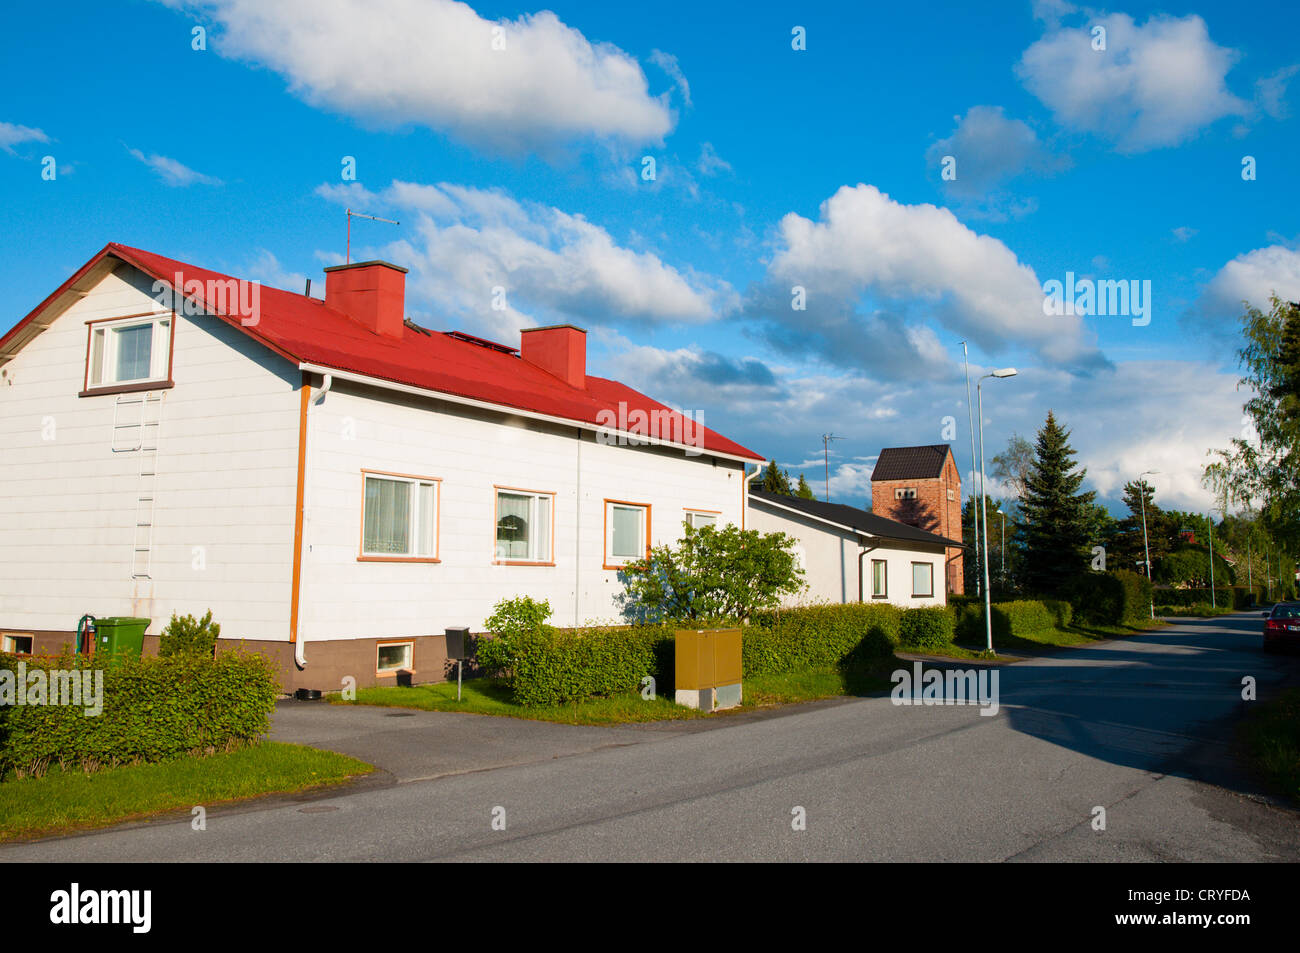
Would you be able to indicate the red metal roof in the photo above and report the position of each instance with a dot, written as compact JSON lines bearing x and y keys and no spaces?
{"x":303,"y":330}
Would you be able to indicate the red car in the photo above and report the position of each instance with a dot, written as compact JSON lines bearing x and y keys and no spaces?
{"x":1282,"y":627}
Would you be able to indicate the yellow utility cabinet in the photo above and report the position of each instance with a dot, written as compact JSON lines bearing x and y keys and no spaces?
{"x":708,"y":668}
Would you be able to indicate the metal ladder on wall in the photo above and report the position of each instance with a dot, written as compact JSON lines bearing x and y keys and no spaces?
{"x":137,"y":425}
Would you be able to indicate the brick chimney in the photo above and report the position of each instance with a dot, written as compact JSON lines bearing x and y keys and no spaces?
{"x":560,"y":349}
{"x":372,"y":292}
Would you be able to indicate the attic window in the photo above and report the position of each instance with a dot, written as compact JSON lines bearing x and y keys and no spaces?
{"x":129,"y":351}
{"x":905,"y":493}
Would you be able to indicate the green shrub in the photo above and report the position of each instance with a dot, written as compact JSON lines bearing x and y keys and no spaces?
{"x":926,"y":627}
{"x":552,"y":666}
{"x":1022,"y":618}
{"x":819,"y":636}
{"x":186,"y":635}
{"x":968,"y":619}
{"x":154,"y":709}
{"x":1061,"y":610}
{"x":1110,"y":598}
{"x":510,"y":621}
{"x":1223,"y":596}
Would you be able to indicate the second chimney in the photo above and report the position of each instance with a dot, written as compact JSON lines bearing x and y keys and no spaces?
{"x":560,"y":349}
{"x":372,"y":292}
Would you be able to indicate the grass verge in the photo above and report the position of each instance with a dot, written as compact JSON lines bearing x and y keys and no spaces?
{"x":481,"y":696}
{"x":1070,"y":637}
{"x":1272,"y":735}
{"x":65,"y":801}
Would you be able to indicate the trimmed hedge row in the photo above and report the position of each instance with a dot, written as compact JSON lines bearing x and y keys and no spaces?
{"x":1110,"y":598}
{"x":154,"y":709}
{"x":550,"y":666}
{"x":929,"y":627}
{"x":807,"y":637}
{"x":1021,"y":618}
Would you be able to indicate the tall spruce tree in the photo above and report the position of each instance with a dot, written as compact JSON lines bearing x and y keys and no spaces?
{"x":776,"y":480}
{"x":803,"y":490}
{"x":1056,"y":517}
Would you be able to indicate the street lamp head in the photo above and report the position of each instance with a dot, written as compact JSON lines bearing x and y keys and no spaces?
{"x":1005,"y":372}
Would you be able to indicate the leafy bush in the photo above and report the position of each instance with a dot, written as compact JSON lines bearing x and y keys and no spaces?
{"x":926,"y":627}
{"x":1199,"y":609}
{"x":185,"y":635}
{"x":1022,"y":618}
{"x":552,"y":666}
{"x":820,"y":636}
{"x":1190,"y":597}
{"x":712,"y":572}
{"x":510,"y":621}
{"x":1110,"y":598}
{"x":1190,"y":565}
{"x":154,"y":709}
{"x":1061,"y":610}
{"x":968,"y":619}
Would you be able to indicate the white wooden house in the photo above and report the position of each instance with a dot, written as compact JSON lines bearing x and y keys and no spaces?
{"x":852,"y":555}
{"x":336,"y":484}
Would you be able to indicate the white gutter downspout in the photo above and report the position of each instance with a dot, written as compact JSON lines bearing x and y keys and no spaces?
{"x":744,"y":491}
{"x":300,"y":646}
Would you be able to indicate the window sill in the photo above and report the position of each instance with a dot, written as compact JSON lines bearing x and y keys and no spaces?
{"x":398,"y":559}
{"x":520,"y":562}
{"x":134,"y":388}
{"x":395,"y":672}
{"x":923,"y":595}
{"x":880,"y":598}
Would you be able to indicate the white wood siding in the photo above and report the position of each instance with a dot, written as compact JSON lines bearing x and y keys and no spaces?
{"x":226,"y":486}
{"x":470,"y":451}
{"x":830,"y":560}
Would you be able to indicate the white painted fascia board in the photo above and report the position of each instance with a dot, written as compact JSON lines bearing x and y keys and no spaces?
{"x":641,"y":439}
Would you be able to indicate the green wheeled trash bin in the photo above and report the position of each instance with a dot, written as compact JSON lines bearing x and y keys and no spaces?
{"x":120,"y":636}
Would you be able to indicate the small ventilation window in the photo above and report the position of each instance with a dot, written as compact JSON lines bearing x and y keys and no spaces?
{"x":905,"y":493}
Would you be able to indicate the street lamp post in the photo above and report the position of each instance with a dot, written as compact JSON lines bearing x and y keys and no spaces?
{"x":1003,"y":549}
{"x":1209,"y":523}
{"x":1146,"y":549}
{"x":970,"y":414}
{"x":984,"y":505}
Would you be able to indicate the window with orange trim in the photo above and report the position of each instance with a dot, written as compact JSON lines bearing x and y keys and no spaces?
{"x":627,"y":532}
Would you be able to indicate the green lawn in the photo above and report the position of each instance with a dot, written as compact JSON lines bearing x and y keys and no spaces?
{"x":66,"y":801}
{"x":481,"y":696}
{"x":1272,"y":735}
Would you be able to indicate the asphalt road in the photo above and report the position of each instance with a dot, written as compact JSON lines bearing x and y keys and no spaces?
{"x":1141,"y":727}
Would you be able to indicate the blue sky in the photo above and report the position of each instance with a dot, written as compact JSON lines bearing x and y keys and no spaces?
{"x":775,"y":168}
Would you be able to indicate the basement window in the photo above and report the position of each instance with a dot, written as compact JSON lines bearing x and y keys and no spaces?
{"x":391,"y":657}
{"x":17,"y":644}
{"x":129,"y":351}
{"x":399,"y":517}
{"x":523,"y":527}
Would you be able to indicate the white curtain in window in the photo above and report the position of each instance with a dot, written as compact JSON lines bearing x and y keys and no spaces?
{"x":878,"y":578}
{"x":134,"y":345}
{"x":628,"y":523}
{"x":512,"y":525}
{"x":387,"y":517}
{"x":428,"y":519}
{"x":922,"y":579}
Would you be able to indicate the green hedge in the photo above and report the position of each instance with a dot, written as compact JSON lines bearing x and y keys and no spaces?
{"x":789,"y":640}
{"x":926,"y":627}
{"x":154,"y":709}
{"x":1223,"y":596}
{"x":550,"y":666}
{"x":1110,"y":598}
{"x":1022,"y":617}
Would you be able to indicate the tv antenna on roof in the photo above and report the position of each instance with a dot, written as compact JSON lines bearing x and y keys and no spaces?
{"x":826,"y":457}
{"x":373,"y":218}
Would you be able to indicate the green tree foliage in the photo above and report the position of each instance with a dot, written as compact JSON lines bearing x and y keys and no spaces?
{"x":1057,"y":516}
{"x":712,"y":573}
{"x":1267,"y":470}
{"x":186,"y":635}
{"x":776,"y":480}
{"x":510,"y":622}
{"x":804,"y":491}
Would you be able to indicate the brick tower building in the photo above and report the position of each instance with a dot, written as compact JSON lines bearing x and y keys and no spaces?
{"x":921,"y":486}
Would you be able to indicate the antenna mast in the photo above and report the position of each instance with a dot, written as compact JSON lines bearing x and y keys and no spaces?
{"x":373,"y":218}
{"x":826,"y":458}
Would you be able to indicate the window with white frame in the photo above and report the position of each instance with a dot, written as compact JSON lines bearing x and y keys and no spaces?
{"x":524,"y":521}
{"x":905,"y":493}
{"x":879,"y":579}
{"x":394,"y":657}
{"x":697,"y":518}
{"x":922,"y":579}
{"x":400,"y":517}
{"x":131,"y":351}
{"x":16,"y":644}
{"x":627,"y":530}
